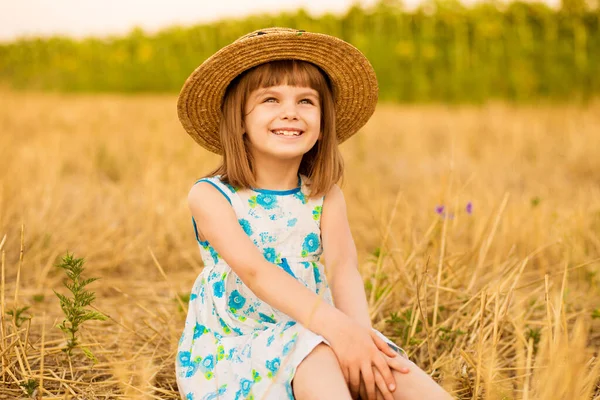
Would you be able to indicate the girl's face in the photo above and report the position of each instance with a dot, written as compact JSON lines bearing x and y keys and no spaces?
{"x":282,"y":122}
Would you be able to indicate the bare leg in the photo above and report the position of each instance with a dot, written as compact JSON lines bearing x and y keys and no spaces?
{"x":319,"y":376}
{"x":415,"y":385}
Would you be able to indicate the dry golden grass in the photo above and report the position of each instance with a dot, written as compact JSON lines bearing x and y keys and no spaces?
{"x":496,"y":304}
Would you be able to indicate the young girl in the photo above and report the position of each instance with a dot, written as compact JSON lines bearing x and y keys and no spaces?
{"x":262,"y":321}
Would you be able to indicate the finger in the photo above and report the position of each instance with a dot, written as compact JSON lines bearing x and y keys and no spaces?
{"x":381,"y":382}
{"x":356,"y":396}
{"x":363,"y":391}
{"x":354,"y":384}
{"x":383,"y":346}
{"x":398,"y":364}
{"x":369,"y":379}
{"x":388,"y":377}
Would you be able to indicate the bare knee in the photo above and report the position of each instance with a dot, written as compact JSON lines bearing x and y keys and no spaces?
{"x":319,"y":374}
{"x":321,"y":356}
{"x":417,"y":384}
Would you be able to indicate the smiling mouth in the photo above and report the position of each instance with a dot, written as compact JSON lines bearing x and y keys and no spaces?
{"x":287,"y":133}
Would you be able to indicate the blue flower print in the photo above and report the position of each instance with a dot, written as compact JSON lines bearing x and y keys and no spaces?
{"x":271,"y":255}
{"x":311,"y":243}
{"x":256,"y":376}
{"x":270,"y":340}
{"x":219,"y":288}
{"x":273,"y":366}
{"x":217,"y":394}
{"x":290,"y":345}
{"x":231,"y":353}
{"x":236,"y":300}
{"x":226,"y":329}
{"x":215,"y":256}
{"x":238,"y":331}
{"x":266,"y":318}
{"x":266,"y":201}
{"x":189,"y":396}
{"x":220,"y":352}
{"x":288,"y":325}
{"x":189,"y":366}
{"x":317,"y":273}
{"x":246,"y":226}
{"x":317,"y":212}
{"x":193,"y":296}
{"x":199,"y":330}
{"x":212,"y":251}
{"x":300,"y":196}
{"x":292,"y":222}
{"x":265,"y":237}
{"x":245,"y":386}
{"x":250,"y":309}
{"x":209,"y":362}
{"x":252,"y":202}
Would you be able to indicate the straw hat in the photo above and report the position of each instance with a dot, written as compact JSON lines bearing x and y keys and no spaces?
{"x":352,"y":76}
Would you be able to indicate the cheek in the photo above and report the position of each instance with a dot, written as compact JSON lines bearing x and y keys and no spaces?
{"x":313,"y":117}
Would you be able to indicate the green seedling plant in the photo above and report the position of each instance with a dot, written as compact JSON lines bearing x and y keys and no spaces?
{"x":16,"y":314}
{"x":74,"y":307}
{"x":30,"y":387}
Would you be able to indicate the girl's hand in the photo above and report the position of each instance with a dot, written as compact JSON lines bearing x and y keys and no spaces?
{"x":399,"y":364}
{"x":358,"y":351}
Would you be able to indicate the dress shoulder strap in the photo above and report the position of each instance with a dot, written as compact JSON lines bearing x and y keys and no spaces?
{"x":228,"y":191}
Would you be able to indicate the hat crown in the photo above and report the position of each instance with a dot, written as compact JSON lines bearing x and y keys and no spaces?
{"x":270,"y":31}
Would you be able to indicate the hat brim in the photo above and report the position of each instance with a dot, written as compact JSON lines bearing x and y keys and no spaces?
{"x":354,"y":82}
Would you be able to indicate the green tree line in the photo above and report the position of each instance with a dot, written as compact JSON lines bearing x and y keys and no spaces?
{"x":442,"y":51}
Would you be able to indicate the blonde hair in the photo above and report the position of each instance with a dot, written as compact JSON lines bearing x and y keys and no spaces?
{"x":322,"y":164}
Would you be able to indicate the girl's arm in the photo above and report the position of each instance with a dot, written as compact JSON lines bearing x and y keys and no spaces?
{"x":219,"y":225}
{"x":341,"y":260}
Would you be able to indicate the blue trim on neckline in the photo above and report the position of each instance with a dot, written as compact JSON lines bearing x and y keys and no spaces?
{"x":281,"y":192}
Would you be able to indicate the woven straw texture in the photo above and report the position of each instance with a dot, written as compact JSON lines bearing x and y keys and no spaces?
{"x":353,"y":79}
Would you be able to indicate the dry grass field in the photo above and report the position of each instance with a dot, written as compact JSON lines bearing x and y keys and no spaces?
{"x":497,"y":294}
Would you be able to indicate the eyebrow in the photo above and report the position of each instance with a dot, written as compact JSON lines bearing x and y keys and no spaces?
{"x":303,"y":93}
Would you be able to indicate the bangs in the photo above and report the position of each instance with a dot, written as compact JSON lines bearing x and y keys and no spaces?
{"x":287,"y":72}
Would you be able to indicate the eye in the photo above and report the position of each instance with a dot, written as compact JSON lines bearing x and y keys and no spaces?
{"x":269,"y":98}
{"x":308,"y":100}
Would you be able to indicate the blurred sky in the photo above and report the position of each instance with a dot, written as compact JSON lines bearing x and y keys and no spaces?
{"x":79,"y":18}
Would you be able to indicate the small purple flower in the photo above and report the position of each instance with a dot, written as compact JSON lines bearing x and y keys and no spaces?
{"x":440,"y":210}
{"x":469,"y":208}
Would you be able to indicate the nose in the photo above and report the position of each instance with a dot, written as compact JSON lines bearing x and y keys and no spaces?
{"x":289,"y":111}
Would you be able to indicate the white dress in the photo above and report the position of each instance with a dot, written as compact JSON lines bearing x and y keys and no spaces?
{"x":234,"y":345}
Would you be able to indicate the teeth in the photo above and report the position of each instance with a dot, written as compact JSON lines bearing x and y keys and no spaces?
{"x":287,"y":133}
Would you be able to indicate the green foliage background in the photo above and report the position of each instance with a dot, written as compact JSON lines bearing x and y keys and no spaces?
{"x":441,"y":51}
